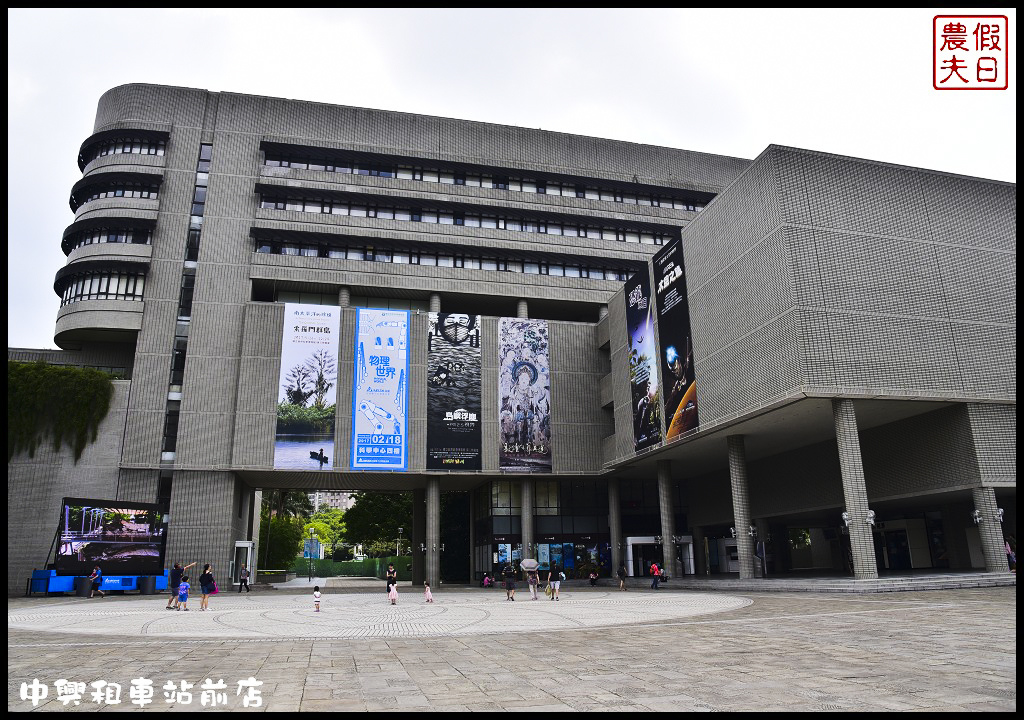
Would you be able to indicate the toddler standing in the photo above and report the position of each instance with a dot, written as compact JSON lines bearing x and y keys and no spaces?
{"x":316,"y":598}
{"x":426,"y":592}
{"x":183,"y":593}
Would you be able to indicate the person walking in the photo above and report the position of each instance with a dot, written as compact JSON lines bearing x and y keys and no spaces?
{"x":392,"y":580}
{"x":555,"y":580}
{"x":533,"y":580}
{"x":622,"y":576}
{"x":510,"y":582}
{"x":173,"y":581}
{"x":316,"y":598}
{"x":427,"y":595}
{"x":207,"y":585}
{"x":655,"y":575}
{"x":243,"y":579}
{"x":97,"y":582}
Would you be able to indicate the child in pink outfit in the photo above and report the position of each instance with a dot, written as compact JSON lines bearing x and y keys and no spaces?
{"x":427,"y":597}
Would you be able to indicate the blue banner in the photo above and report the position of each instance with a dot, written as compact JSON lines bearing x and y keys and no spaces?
{"x":380,"y":390}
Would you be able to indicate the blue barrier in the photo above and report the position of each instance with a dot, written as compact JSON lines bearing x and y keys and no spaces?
{"x":48,"y":581}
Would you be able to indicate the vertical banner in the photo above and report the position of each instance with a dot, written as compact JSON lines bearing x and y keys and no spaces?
{"x":380,"y":390}
{"x":453,"y":392}
{"x":524,"y":396}
{"x":305,"y":401}
{"x":643,"y":375}
{"x":676,"y":346}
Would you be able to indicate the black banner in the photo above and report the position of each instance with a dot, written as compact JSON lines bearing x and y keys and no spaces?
{"x":453,"y":392}
{"x":643,"y":376}
{"x":676,"y":344}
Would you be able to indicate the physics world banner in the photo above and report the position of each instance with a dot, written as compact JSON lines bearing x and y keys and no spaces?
{"x":677,"y":348}
{"x":643,"y":375}
{"x":380,"y":390}
{"x":453,"y":392}
{"x":524,"y":396}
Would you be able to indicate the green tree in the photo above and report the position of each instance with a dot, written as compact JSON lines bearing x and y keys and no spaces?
{"x":334,"y":520}
{"x":280,"y":541}
{"x":288,"y":503}
{"x":376,"y":516}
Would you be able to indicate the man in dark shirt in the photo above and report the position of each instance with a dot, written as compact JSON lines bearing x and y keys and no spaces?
{"x":510,"y":582}
{"x":173,"y":581}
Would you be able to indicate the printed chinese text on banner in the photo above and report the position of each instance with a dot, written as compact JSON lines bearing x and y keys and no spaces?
{"x":524,"y":396}
{"x":306,"y":387}
{"x":453,"y":392}
{"x":677,"y":373}
{"x":380,"y":390}
{"x":643,"y":376}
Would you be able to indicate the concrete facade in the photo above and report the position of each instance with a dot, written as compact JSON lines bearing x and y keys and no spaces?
{"x":812,"y":280}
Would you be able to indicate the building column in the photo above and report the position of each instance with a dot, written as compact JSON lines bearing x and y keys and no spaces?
{"x":435,"y":302}
{"x":472,"y":537}
{"x":741,"y":505}
{"x":434,"y":532}
{"x":669,"y":551}
{"x":990,"y":529}
{"x":522,"y":309}
{"x":526,"y":519}
{"x":615,"y":525}
{"x":855,"y":492}
{"x":700,"y":561}
{"x":344,"y":297}
{"x":418,"y":535}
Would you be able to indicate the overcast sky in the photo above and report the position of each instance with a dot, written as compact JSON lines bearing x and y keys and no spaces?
{"x":853,"y":82}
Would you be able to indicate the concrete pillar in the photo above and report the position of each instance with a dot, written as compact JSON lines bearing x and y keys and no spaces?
{"x":418,"y":535}
{"x":855,"y":492}
{"x":522,"y":310}
{"x":990,"y":529}
{"x":615,"y":525}
{"x":434,"y":532}
{"x":670,"y":552}
{"x":435,"y":302}
{"x":344,"y":298}
{"x":472,"y":537}
{"x":700,"y":561}
{"x":527,"y":519}
{"x":741,"y":505}
{"x":602,"y":313}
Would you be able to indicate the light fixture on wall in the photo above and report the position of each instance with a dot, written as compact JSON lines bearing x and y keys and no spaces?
{"x":999,"y":514}
{"x":423,"y":548}
{"x":870,"y":519}
{"x":732,"y":531}
{"x":976,"y":517}
{"x":752,"y":531}
{"x":657,"y":539}
{"x":846,"y":519}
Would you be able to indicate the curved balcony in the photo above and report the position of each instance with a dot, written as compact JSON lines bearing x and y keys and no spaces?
{"x":123,"y":141}
{"x":140,"y":184}
{"x":132,"y":224}
{"x":97,"y":321}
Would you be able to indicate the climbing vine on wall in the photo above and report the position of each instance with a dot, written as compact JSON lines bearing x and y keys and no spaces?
{"x":64,"y":404}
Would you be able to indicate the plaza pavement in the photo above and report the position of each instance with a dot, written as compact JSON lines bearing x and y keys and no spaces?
{"x":596,"y":649}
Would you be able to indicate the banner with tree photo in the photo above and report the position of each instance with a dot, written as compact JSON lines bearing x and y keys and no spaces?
{"x":306,"y":387}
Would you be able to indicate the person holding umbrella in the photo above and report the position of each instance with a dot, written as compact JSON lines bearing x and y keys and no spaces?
{"x":532,"y":577}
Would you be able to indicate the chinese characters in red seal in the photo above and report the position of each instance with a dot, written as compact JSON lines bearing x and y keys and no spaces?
{"x":970,"y":52}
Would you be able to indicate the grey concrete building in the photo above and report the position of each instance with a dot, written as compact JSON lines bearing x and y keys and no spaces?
{"x":853,"y":336}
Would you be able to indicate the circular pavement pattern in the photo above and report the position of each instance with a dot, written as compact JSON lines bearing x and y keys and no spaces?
{"x":363,"y":615}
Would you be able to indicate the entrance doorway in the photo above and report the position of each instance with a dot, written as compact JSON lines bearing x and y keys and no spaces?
{"x":243,"y":556}
{"x":640,"y":553}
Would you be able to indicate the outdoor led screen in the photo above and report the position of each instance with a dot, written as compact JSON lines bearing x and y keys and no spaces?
{"x":122,"y":538}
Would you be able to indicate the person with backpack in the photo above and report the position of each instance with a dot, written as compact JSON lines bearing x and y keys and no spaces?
{"x":555,"y":577}
{"x":655,"y":575}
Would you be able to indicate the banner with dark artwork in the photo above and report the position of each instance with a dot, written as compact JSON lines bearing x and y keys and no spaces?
{"x":306,"y":387}
{"x":380,"y":390}
{"x":676,"y":345}
{"x":524,"y":396}
{"x":453,"y":392}
{"x":643,"y":375}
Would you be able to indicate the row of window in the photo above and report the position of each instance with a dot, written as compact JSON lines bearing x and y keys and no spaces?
{"x":114,"y":146}
{"x":441,"y":259}
{"x":135,"y":236}
{"x":497,"y":182}
{"x":121,"y":189}
{"x":104,"y":285}
{"x":498,"y":222}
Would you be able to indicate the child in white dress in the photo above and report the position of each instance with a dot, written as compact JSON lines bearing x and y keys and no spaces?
{"x":427,"y":596}
{"x":316,"y":598}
